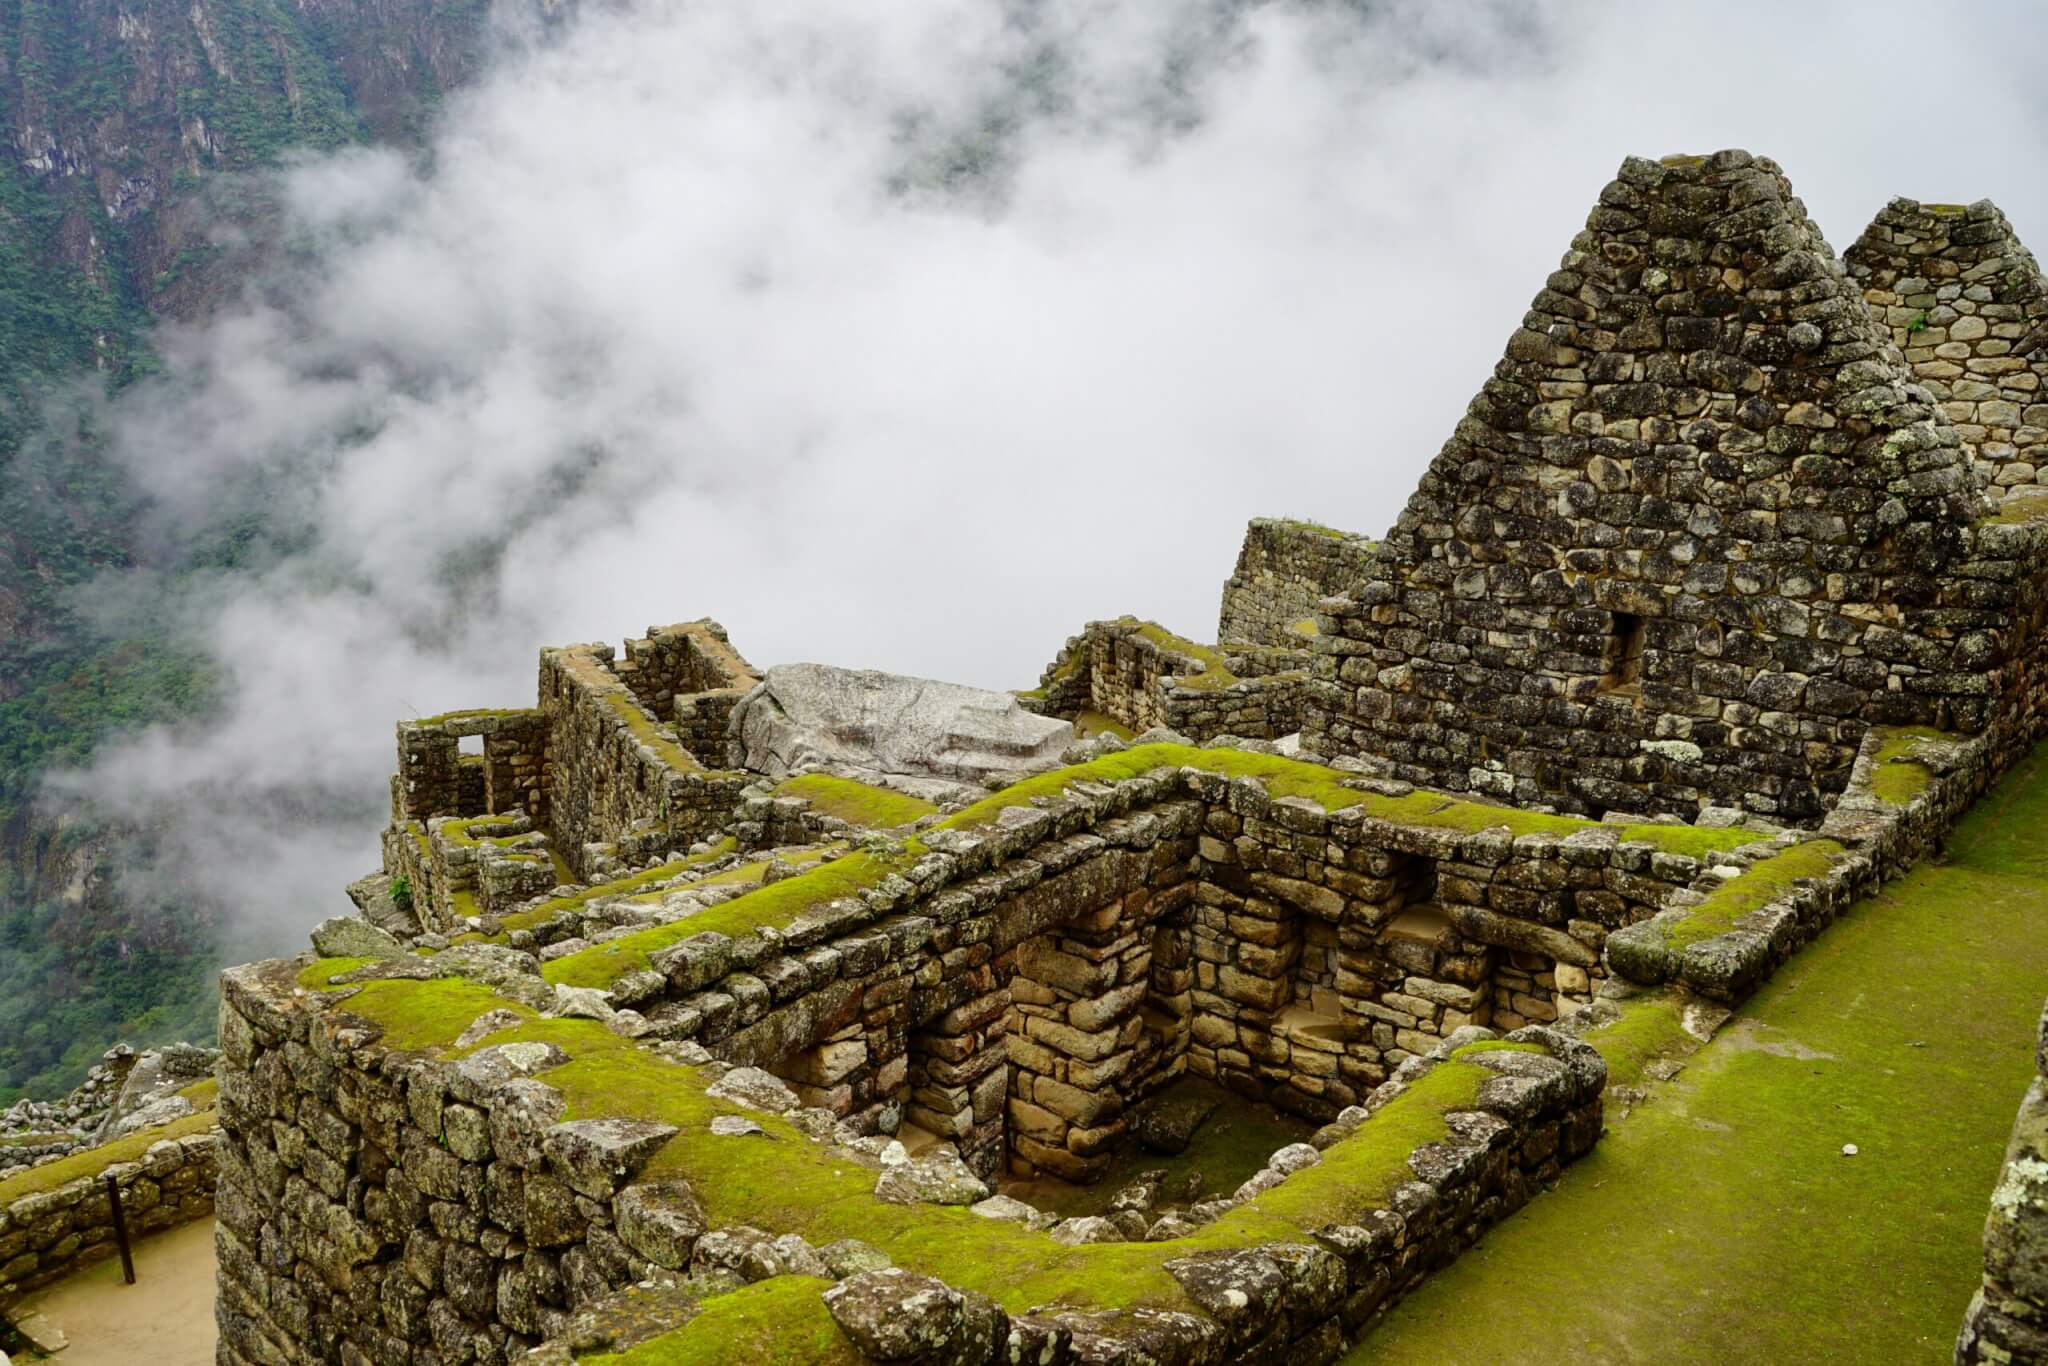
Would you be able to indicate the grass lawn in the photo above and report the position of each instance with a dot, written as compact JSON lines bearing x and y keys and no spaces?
{"x":1721,"y":1221}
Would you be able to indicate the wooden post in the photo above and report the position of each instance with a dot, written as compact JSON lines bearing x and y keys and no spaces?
{"x":120,"y":1230}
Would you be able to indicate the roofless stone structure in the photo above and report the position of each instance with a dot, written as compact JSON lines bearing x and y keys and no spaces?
{"x":1699,"y":531}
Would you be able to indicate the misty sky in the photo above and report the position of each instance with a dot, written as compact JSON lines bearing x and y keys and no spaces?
{"x":913,"y":337}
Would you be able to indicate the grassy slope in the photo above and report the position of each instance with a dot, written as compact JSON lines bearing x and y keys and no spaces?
{"x":1721,"y":1222}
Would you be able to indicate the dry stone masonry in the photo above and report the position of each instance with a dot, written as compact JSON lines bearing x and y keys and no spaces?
{"x":699,"y":995}
{"x":1284,"y":569}
{"x":1139,"y":675}
{"x":1702,"y":529}
{"x":1964,"y":303}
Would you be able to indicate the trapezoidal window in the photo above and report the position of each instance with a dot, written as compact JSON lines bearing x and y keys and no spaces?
{"x":1622,"y":657}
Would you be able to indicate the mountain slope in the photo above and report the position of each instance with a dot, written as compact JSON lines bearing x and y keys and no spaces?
{"x":124,"y":130}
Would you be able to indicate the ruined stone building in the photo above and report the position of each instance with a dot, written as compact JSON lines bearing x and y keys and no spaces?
{"x":697,"y":994}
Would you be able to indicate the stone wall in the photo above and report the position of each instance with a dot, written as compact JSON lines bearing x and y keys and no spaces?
{"x":2007,"y":1321}
{"x":382,"y":1202}
{"x":1283,"y":570}
{"x":435,"y":779}
{"x":1700,"y":530}
{"x":621,"y":789}
{"x":1963,"y":301}
{"x":690,"y":676}
{"x":47,"y":1235}
{"x":1143,"y":676}
{"x":1296,"y":955}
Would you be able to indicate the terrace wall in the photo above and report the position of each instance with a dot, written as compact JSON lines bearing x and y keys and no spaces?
{"x":48,"y":1235}
{"x":378,"y":1204}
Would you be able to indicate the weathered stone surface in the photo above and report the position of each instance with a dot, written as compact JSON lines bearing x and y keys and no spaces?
{"x":813,"y":715}
{"x":939,"y":1178}
{"x":661,"y":1221}
{"x":756,"y":1089}
{"x":348,"y":936}
{"x":597,"y":1156}
{"x":892,"y":1315}
{"x":1167,"y":1125}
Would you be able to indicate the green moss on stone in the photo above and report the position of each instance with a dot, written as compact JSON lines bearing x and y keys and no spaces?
{"x":857,"y":803}
{"x":643,"y":729}
{"x":1215,"y":668}
{"x":783,"y":1182}
{"x":202,"y":1093}
{"x":1316,"y":528}
{"x":416,"y":1015}
{"x":476,"y":714}
{"x":776,"y":904}
{"x":1759,"y":885}
{"x":781,"y":902}
{"x":1090,"y":724}
{"x":783,"y":1318}
{"x":1648,"y":1029}
{"x":2018,"y":510}
{"x":1896,"y":777}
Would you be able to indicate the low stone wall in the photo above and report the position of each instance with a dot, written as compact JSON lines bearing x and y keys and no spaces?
{"x":47,"y":1234}
{"x":2007,"y":1320}
{"x":1182,"y":921}
{"x":1143,"y":676}
{"x":1283,"y":570}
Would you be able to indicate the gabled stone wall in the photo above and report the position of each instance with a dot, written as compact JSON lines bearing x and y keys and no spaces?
{"x":1699,"y":531}
{"x":1963,"y":301}
{"x":1283,"y":570}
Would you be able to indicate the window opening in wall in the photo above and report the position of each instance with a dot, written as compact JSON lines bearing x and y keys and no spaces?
{"x":1622,"y":667}
{"x":470,"y":744}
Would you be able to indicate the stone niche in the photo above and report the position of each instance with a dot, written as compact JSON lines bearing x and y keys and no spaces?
{"x":1028,"y":1050}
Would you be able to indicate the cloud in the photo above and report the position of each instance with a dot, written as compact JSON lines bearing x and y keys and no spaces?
{"x":911,"y":337}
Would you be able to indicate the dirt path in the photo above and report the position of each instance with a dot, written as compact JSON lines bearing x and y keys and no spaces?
{"x":1722,"y":1222}
{"x":164,"y":1319}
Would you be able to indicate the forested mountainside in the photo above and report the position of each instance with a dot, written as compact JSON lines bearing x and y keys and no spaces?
{"x":126,"y":123}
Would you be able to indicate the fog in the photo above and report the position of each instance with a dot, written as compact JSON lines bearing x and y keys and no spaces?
{"x":909,"y":337}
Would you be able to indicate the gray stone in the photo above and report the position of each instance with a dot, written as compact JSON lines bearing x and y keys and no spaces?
{"x":813,"y":715}
{"x":938,"y":1178}
{"x":597,"y":1156}
{"x":661,"y":1221}
{"x":348,"y":936}
{"x":1167,"y":1124}
{"x":892,"y":1315}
